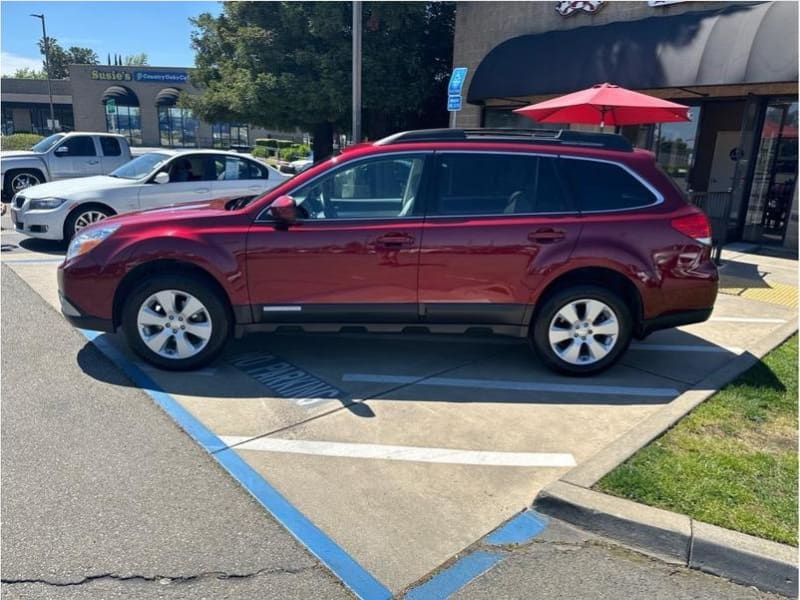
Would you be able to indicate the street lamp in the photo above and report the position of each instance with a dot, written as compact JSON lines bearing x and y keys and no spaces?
{"x":356,"y":71}
{"x":47,"y":68}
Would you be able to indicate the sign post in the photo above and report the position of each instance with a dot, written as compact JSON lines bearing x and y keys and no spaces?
{"x":454,"y":93}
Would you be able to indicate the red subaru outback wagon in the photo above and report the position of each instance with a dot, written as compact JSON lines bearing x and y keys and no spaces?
{"x":576,"y":241}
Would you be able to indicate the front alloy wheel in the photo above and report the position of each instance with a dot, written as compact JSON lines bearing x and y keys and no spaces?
{"x":23,"y":180}
{"x":176,"y":322}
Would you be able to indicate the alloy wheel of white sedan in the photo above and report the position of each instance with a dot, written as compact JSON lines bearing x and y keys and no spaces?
{"x":87,"y":218}
{"x":174,"y":324}
{"x":583,"y":331}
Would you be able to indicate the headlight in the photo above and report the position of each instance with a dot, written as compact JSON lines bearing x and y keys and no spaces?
{"x":46,"y":203}
{"x":83,"y":242}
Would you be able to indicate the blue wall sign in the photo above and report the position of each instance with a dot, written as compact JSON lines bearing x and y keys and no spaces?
{"x":453,"y":103}
{"x":457,"y":81}
{"x":161,"y":76}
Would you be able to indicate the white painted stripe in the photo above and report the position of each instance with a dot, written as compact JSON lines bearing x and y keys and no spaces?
{"x":281,"y":308}
{"x":525,"y":386}
{"x":686,"y":348}
{"x":746,"y":320}
{"x":405,"y":453}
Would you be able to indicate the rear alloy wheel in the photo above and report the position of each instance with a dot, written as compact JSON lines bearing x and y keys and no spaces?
{"x":175,"y":323}
{"x":582,"y":330}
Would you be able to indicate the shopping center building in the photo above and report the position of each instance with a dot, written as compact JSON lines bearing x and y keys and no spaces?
{"x":140,"y":103}
{"x":734,"y":63}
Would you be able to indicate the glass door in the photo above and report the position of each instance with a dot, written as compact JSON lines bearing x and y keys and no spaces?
{"x":774,"y":175}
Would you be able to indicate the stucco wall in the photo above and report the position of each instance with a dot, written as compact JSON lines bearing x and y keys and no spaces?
{"x":480,"y":26}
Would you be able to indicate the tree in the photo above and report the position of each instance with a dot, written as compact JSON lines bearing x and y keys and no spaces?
{"x":137,"y":60}
{"x":60,"y":59}
{"x":27,"y":73}
{"x":288,"y":64}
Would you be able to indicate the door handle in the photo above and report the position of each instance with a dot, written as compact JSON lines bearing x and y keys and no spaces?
{"x":94,"y":162}
{"x":546,"y":235}
{"x":201,"y":190}
{"x":395,"y":240}
{"x":254,"y":188}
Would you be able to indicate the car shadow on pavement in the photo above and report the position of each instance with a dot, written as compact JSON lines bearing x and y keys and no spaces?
{"x":430,"y":368}
{"x":43,"y":246}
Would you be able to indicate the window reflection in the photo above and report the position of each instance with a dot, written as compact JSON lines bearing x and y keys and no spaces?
{"x":177,"y":127}
{"x":127,"y":121}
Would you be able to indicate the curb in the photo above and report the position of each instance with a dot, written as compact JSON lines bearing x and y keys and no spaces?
{"x":671,"y":536}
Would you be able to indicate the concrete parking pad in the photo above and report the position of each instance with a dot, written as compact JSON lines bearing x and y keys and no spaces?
{"x":405,"y":449}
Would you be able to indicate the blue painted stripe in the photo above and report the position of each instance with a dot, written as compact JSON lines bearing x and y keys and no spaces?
{"x":345,"y":567}
{"x":522,"y":528}
{"x":449,"y":581}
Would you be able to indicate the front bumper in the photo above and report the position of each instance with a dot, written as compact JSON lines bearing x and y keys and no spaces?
{"x":42,"y":224}
{"x":77,"y":314}
{"x":81,"y":321}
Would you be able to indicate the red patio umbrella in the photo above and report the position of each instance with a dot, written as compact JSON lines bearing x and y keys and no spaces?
{"x":606,"y":104}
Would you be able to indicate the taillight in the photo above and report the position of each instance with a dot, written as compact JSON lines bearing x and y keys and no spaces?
{"x":695,"y":226}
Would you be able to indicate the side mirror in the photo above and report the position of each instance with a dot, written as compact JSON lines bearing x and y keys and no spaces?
{"x":284,"y":210}
{"x":161,"y":177}
{"x":63,"y":149}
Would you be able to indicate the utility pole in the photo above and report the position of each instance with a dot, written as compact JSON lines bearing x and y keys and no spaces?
{"x":47,"y":68}
{"x":356,"y":71}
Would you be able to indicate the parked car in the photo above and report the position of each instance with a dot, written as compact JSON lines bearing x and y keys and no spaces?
{"x":58,"y":210}
{"x":576,"y":241}
{"x":62,"y":156}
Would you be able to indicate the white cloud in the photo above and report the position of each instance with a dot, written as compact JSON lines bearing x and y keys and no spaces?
{"x":9,"y":63}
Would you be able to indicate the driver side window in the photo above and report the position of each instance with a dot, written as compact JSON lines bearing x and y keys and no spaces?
{"x":382,"y":188}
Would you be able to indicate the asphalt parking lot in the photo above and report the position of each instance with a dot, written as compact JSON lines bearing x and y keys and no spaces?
{"x":406,"y":449}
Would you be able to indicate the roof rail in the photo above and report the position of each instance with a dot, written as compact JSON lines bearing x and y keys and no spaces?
{"x":564,"y":137}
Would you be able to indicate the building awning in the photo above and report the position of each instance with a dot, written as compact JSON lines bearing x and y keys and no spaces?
{"x":739,"y":44}
{"x":121,"y":95}
{"x":167,"y":97}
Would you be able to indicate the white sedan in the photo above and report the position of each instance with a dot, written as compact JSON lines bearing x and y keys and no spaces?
{"x":57,"y":210}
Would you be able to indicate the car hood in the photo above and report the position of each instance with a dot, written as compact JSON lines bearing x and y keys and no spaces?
{"x":6,"y":154}
{"x":68,"y":187}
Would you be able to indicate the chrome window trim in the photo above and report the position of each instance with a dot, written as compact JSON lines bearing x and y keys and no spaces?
{"x":348,"y":163}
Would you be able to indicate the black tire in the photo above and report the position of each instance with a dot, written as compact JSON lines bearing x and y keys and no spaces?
{"x":81,"y":211}
{"x":215,"y":307}
{"x":553,"y":304}
{"x":8,"y":184}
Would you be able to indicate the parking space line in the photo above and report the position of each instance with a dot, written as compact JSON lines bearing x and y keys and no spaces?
{"x":448,"y":582}
{"x":525,"y":386}
{"x":746,"y":320}
{"x":686,"y":348}
{"x":32,"y":260}
{"x":404,"y":453}
{"x":362,"y":583}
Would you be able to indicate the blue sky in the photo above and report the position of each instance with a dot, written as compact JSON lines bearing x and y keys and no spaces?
{"x":161,"y":29}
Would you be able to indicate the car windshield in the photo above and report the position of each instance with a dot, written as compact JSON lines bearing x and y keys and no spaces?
{"x":141,"y":166}
{"x":47,"y":143}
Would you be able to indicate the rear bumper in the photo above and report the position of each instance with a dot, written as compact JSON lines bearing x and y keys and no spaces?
{"x":669,"y":320}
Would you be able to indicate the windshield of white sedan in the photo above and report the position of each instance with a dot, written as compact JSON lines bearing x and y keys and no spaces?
{"x":47,"y":143}
{"x":140,"y":167}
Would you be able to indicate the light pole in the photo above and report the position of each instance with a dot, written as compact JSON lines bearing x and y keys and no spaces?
{"x":47,"y":68}
{"x":356,"y":71}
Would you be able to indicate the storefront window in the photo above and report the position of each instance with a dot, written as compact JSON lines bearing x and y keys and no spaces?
{"x":775,"y":174}
{"x":675,"y":147}
{"x":506,"y":118}
{"x":40,"y":117}
{"x":8,"y":121}
{"x":225,"y":135}
{"x":177,"y":127}
{"x":127,"y":121}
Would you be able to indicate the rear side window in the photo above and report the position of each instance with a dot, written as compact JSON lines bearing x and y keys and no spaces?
{"x":110,"y":146}
{"x":498,"y":184}
{"x":601,"y":186}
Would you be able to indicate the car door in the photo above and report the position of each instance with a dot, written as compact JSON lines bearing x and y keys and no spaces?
{"x":353,"y":254}
{"x":239,"y":176}
{"x":191,"y":178}
{"x":497,"y":223}
{"x":76,"y":156}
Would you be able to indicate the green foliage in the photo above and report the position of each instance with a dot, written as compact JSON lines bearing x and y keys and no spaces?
{"x":60,"y":59}
{"x":260,"y":152}
{"x":27,"y":73}
{"x":294,"y":152}
{"x":19,"y":141}
{"x":733,"y":460}
{"x":288,"y":64}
